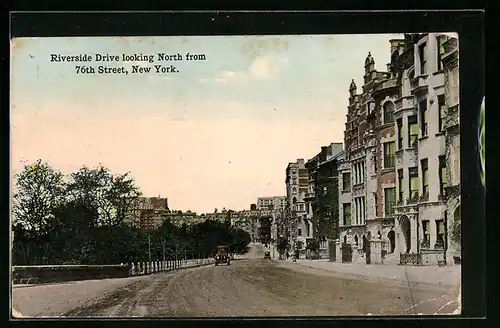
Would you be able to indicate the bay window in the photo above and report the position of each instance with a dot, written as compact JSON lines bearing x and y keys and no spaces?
{"x":414,"y":188}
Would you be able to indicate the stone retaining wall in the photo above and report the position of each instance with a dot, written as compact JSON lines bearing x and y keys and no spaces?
{"x":38,"y":274}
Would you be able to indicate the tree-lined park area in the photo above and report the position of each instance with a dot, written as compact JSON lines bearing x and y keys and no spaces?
{"x":86,"y":217}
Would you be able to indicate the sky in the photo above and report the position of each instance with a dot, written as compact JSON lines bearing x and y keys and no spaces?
{"x":217,"y":133}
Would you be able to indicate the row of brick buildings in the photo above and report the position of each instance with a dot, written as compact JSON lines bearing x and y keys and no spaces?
{"x":397,"y":176}
{"x":151,"y":212}
{"x":312,"y":189}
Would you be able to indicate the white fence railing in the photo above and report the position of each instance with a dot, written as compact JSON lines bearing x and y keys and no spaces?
{"x":141,"y":268}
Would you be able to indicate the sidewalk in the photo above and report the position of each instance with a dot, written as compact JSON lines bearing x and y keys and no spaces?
{"x":446,"y":276}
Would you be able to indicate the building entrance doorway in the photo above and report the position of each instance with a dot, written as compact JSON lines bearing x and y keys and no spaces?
{"x":404,"y":223}
{"x":392,"y":241}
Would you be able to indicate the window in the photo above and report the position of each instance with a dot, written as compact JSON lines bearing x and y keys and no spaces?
{"x":389,"y":200}
{"x":299,"y":232}
{"x":412,"y":131}
{"x":388,"y":112}
{"x":376,"y":203}
{"x":439,"y":234}
{"x":346,"y":181}
{"x":427,"y":233}
{"x":423,"y":117}
{"x":441,"y":39}
{"x":389,"y":154}
{"x":347,"y":213}
{"x":425,"y":176}
{"x":400,"y":133}
{"x":363,"y":210}
{"x":413,"y":174}
{"x":401,"y":184}
{"x":442,"y":112}
{"x":442,"y":174}
{"x":422,"y":53}
{"x":375,"y":163}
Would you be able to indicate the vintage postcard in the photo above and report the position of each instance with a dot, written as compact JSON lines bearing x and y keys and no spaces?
{"x":236,"y":176}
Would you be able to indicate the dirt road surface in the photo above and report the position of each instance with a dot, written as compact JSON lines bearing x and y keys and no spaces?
{"x":257,"y":287}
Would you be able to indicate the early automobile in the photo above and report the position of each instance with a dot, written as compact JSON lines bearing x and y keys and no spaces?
{"x":267,"y":255}
{"x":222,"y":255}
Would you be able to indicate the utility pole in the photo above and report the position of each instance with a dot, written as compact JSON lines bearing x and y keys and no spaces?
{"x":163,"y":249}
{"x":149,"y":247}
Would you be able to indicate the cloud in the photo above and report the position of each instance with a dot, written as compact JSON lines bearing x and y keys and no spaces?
{"x":230,"y":76}
{"x":264,"y":67}
{"x":260,"y":68}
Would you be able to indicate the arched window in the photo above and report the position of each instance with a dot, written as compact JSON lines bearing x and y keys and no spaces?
{"x":388,"y":112}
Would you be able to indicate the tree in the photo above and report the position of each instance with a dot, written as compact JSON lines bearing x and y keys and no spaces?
{"x":283,"y":245}
{"x":112,"y":195}
{"x":240,"y":240}
{"x":39,"y":190}
{"x":313,"y":245}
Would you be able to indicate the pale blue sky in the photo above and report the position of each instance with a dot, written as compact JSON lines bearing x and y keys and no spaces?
{"x":218,"y":133}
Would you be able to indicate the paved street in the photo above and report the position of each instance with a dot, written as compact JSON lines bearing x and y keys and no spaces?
{"x":248,"y":287}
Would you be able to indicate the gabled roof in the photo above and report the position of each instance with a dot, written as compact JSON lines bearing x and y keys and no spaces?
{"x":339,"y":155}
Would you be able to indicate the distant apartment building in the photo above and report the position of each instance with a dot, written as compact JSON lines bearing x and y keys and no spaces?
{"x":149,"y":212}
{"x":297,"y":182}
{"x":258,"y":223}
{"x":271,"y":203}
{"x":179,"y":218}
{"x":400,"y":176}
{"x":321,"y":201}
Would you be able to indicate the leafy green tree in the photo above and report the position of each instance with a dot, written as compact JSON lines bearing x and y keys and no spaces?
{"x":39,"y":190}
{"x":239,"y":240}
{"x":112,"y":195}
{"x":283,"y":245}
{"x":313,"y":245}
